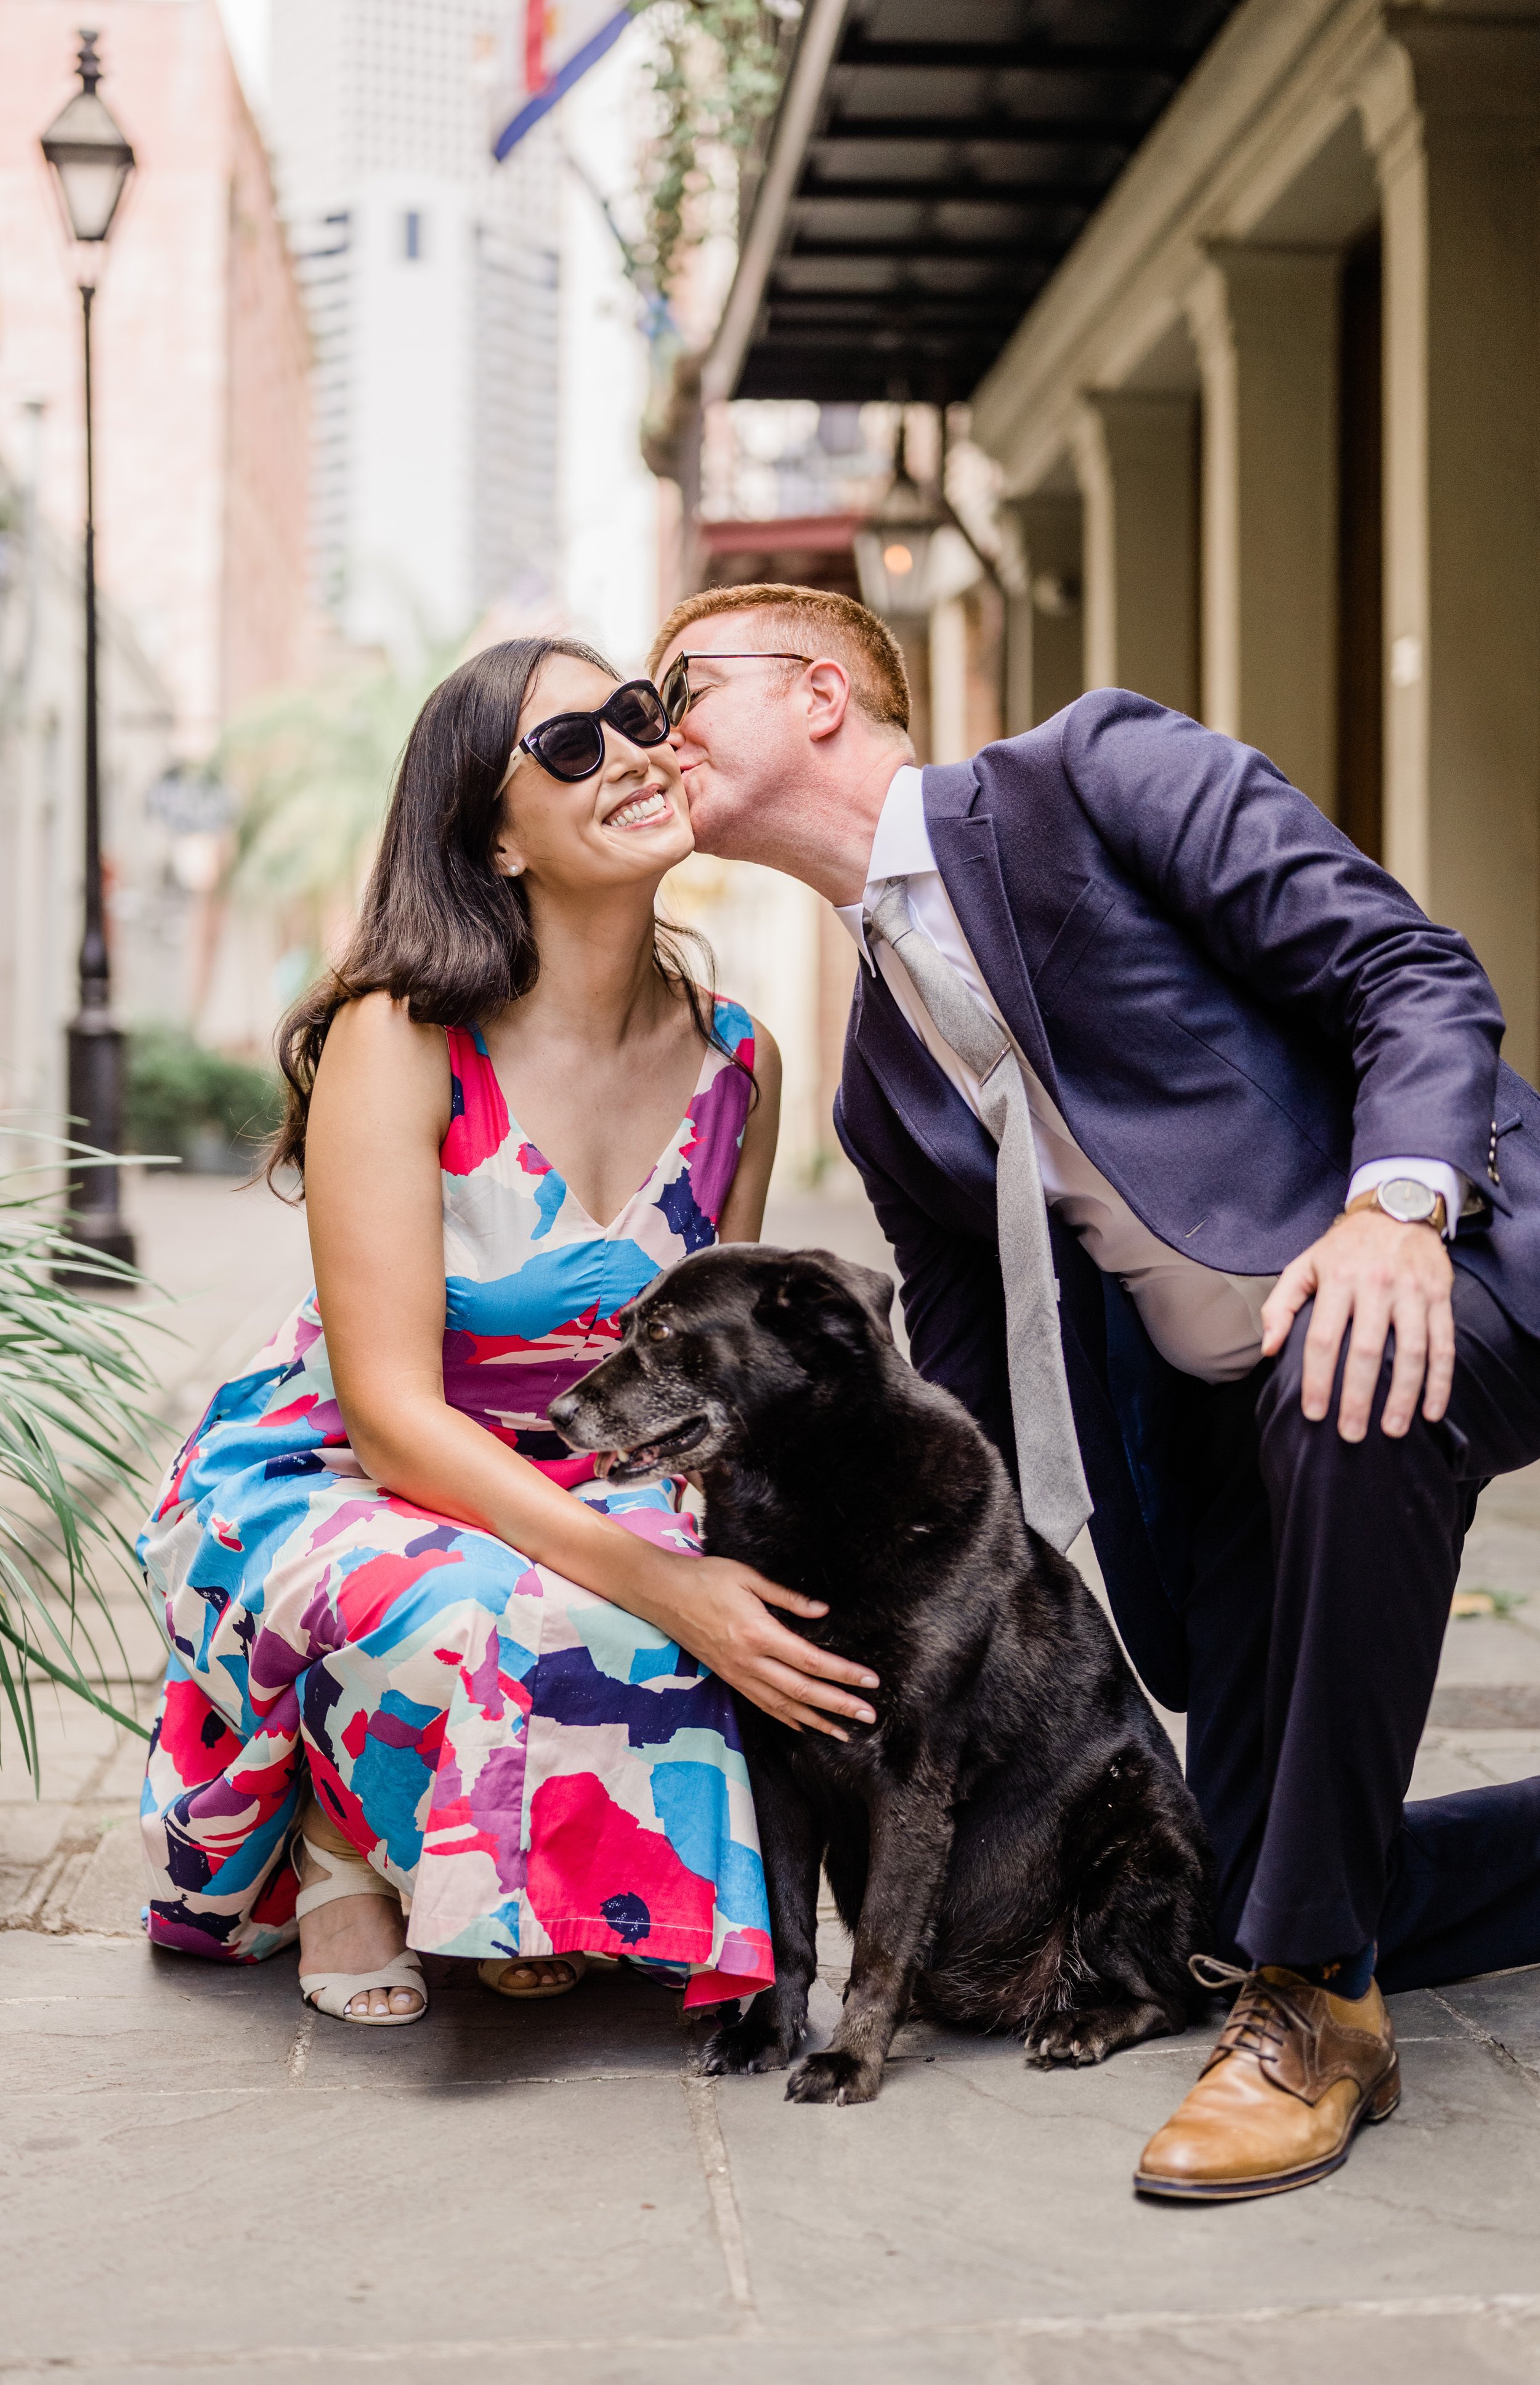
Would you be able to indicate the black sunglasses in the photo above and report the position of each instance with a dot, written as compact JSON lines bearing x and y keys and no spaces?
{"x":678,"y":694}
{"x":571,"y":745}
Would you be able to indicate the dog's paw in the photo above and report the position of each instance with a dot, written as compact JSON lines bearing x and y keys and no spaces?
{"x":1061,"y":2044}
{"x":736,"y":2052}
{"x":833,"y":2077}
{"x":1077,"y":2040}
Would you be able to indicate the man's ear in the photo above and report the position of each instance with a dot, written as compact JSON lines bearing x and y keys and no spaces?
{"x":828,"y":685}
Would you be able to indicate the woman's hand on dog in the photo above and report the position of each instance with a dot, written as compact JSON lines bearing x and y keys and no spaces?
{"x":724,"y":1618}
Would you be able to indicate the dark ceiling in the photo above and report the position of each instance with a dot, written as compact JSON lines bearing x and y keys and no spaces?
{"x":960,"y":148}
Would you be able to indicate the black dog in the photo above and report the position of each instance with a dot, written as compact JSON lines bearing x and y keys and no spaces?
{"x":1013,"y":1844}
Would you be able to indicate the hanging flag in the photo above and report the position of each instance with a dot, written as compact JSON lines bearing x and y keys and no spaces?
{"x":549,"y":43}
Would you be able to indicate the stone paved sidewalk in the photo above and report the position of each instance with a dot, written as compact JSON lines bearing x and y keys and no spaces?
{"x":201,"y":2181}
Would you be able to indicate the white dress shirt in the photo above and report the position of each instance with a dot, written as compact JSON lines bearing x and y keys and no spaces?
{"x":1203,"y":1322}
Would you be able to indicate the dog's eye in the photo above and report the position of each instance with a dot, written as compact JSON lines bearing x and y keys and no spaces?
{"x":658,"y":1330}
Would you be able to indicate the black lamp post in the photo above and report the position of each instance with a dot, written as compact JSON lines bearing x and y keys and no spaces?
{"x":92,"y":161}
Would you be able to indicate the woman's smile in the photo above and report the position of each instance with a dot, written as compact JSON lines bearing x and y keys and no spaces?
{"x":644,"y":809}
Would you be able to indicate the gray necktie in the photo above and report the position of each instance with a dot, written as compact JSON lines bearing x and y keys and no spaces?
{"x":1054,"y":1495}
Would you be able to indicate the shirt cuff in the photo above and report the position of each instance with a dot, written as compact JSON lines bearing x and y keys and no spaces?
{"x":1436,"y":1174}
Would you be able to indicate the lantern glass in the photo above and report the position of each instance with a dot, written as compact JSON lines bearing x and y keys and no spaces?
{"x":893,"y":559}
{"x":91,"y":161}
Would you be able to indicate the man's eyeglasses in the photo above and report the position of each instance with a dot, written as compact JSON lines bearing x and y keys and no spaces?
{"x":678,"y":694}
{"x":571,"y":745}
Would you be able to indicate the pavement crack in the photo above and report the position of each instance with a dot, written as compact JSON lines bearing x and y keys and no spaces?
{"x":700,"y":2102}
{"x":1501,"y":2054}
{"x":956,"y":2074}
{"x":394,"y":2090}
{"x":1103,"y":2330}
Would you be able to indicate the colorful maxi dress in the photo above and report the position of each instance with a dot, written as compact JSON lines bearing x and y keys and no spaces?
{"x":534,"y":1768}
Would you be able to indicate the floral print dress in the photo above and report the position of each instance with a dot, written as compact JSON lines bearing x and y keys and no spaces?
{"x":533,"y":1769}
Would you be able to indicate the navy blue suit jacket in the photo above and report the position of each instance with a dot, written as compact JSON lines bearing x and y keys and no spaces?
{"x":1233,"y":1009}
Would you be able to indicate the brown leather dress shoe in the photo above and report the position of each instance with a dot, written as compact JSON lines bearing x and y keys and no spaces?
{"x":1281,"y":2095}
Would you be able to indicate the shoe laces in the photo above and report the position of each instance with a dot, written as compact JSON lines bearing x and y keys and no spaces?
{"x":1263,"y":2013}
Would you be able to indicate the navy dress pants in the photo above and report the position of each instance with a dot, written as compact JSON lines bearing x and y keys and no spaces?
{"x":1322,"y":1577}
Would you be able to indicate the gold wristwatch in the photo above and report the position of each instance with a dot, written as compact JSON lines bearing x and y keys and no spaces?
{"x":1406,"y":1200}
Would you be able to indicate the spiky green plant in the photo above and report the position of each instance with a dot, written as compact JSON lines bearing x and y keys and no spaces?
{"x":76,"y":1432}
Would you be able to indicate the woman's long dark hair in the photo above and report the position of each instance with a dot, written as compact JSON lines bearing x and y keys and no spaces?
{"x":440,"y":928}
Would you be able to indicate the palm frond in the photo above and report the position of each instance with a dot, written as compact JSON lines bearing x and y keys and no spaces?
{"x":312,"y":767}
{"x":77,"y":1437}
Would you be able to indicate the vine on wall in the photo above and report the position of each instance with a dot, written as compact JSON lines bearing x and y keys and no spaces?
{"x":717,"y":69}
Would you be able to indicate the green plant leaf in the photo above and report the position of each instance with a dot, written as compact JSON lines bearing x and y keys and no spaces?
{"x":72,"y":1682}
{"x":176,"y":1089}
{"x":76,"y":1429}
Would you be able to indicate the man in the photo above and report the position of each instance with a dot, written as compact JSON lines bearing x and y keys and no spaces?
{"x":1260,"y":1098}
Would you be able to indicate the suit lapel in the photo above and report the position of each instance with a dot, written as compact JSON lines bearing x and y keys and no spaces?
{"x":930,"y":1108}
{"x":968,"y":859}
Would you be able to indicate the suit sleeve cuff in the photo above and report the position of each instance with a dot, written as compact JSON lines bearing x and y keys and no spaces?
{"x":1436,"y":1174}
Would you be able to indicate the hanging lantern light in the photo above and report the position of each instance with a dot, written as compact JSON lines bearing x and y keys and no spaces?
{"x":893,"y":547}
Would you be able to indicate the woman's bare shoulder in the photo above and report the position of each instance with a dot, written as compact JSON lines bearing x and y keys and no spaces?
{"x":378,"y":1025}
{"x":373,"y":1040}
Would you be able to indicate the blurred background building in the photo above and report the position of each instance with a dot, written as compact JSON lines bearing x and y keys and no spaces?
{"x":431,"y":277}
{"x":330,"y":336}
{"x":1179,"y":344}
{"x":202,"y":407}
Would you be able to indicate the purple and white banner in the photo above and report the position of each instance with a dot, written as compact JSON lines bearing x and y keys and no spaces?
{"x":549,"y":43}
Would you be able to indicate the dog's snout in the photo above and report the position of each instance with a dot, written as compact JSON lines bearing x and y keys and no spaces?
{"x":563,"y":1411}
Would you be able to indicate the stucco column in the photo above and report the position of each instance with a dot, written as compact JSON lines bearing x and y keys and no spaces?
{"x":949,"y":741}
{"x":1265,"y":323}
{"x":1045,"y":658}
{"x":1452,"y":114}
{"x":1136,"y":460}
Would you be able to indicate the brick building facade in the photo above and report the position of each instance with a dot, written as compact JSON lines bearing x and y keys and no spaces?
{"x":202,"y":366}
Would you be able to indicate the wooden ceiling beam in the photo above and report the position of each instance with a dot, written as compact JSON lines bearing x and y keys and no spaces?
{"x":1034,"y":57}
{"x":957,"y":191}
{"x":988,"y":129}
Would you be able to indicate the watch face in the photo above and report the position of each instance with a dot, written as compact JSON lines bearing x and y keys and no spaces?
{"x":1404,"y":1198}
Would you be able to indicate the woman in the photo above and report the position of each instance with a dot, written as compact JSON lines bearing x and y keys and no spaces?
{"x":414,"y":1642}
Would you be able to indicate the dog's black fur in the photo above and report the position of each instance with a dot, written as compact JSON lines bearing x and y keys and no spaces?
{"x":1013,"y":1844}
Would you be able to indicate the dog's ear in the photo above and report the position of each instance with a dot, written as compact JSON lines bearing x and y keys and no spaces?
{"x":822,"y":1275}
{"x":873,"y":1290}
{"x":831,"y":1296}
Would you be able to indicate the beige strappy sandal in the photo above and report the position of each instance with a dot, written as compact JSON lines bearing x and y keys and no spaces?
{"x":493,"y":1974}
{"x":332,"y":1992}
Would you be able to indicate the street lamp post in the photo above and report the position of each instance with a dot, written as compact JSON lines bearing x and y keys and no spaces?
{"x":92,"y":161}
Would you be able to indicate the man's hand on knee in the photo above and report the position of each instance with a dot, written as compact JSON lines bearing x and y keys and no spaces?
{"x":1371,"y":1274}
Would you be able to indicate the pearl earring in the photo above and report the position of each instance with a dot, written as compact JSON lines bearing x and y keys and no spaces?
{"x":515,"y":870}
